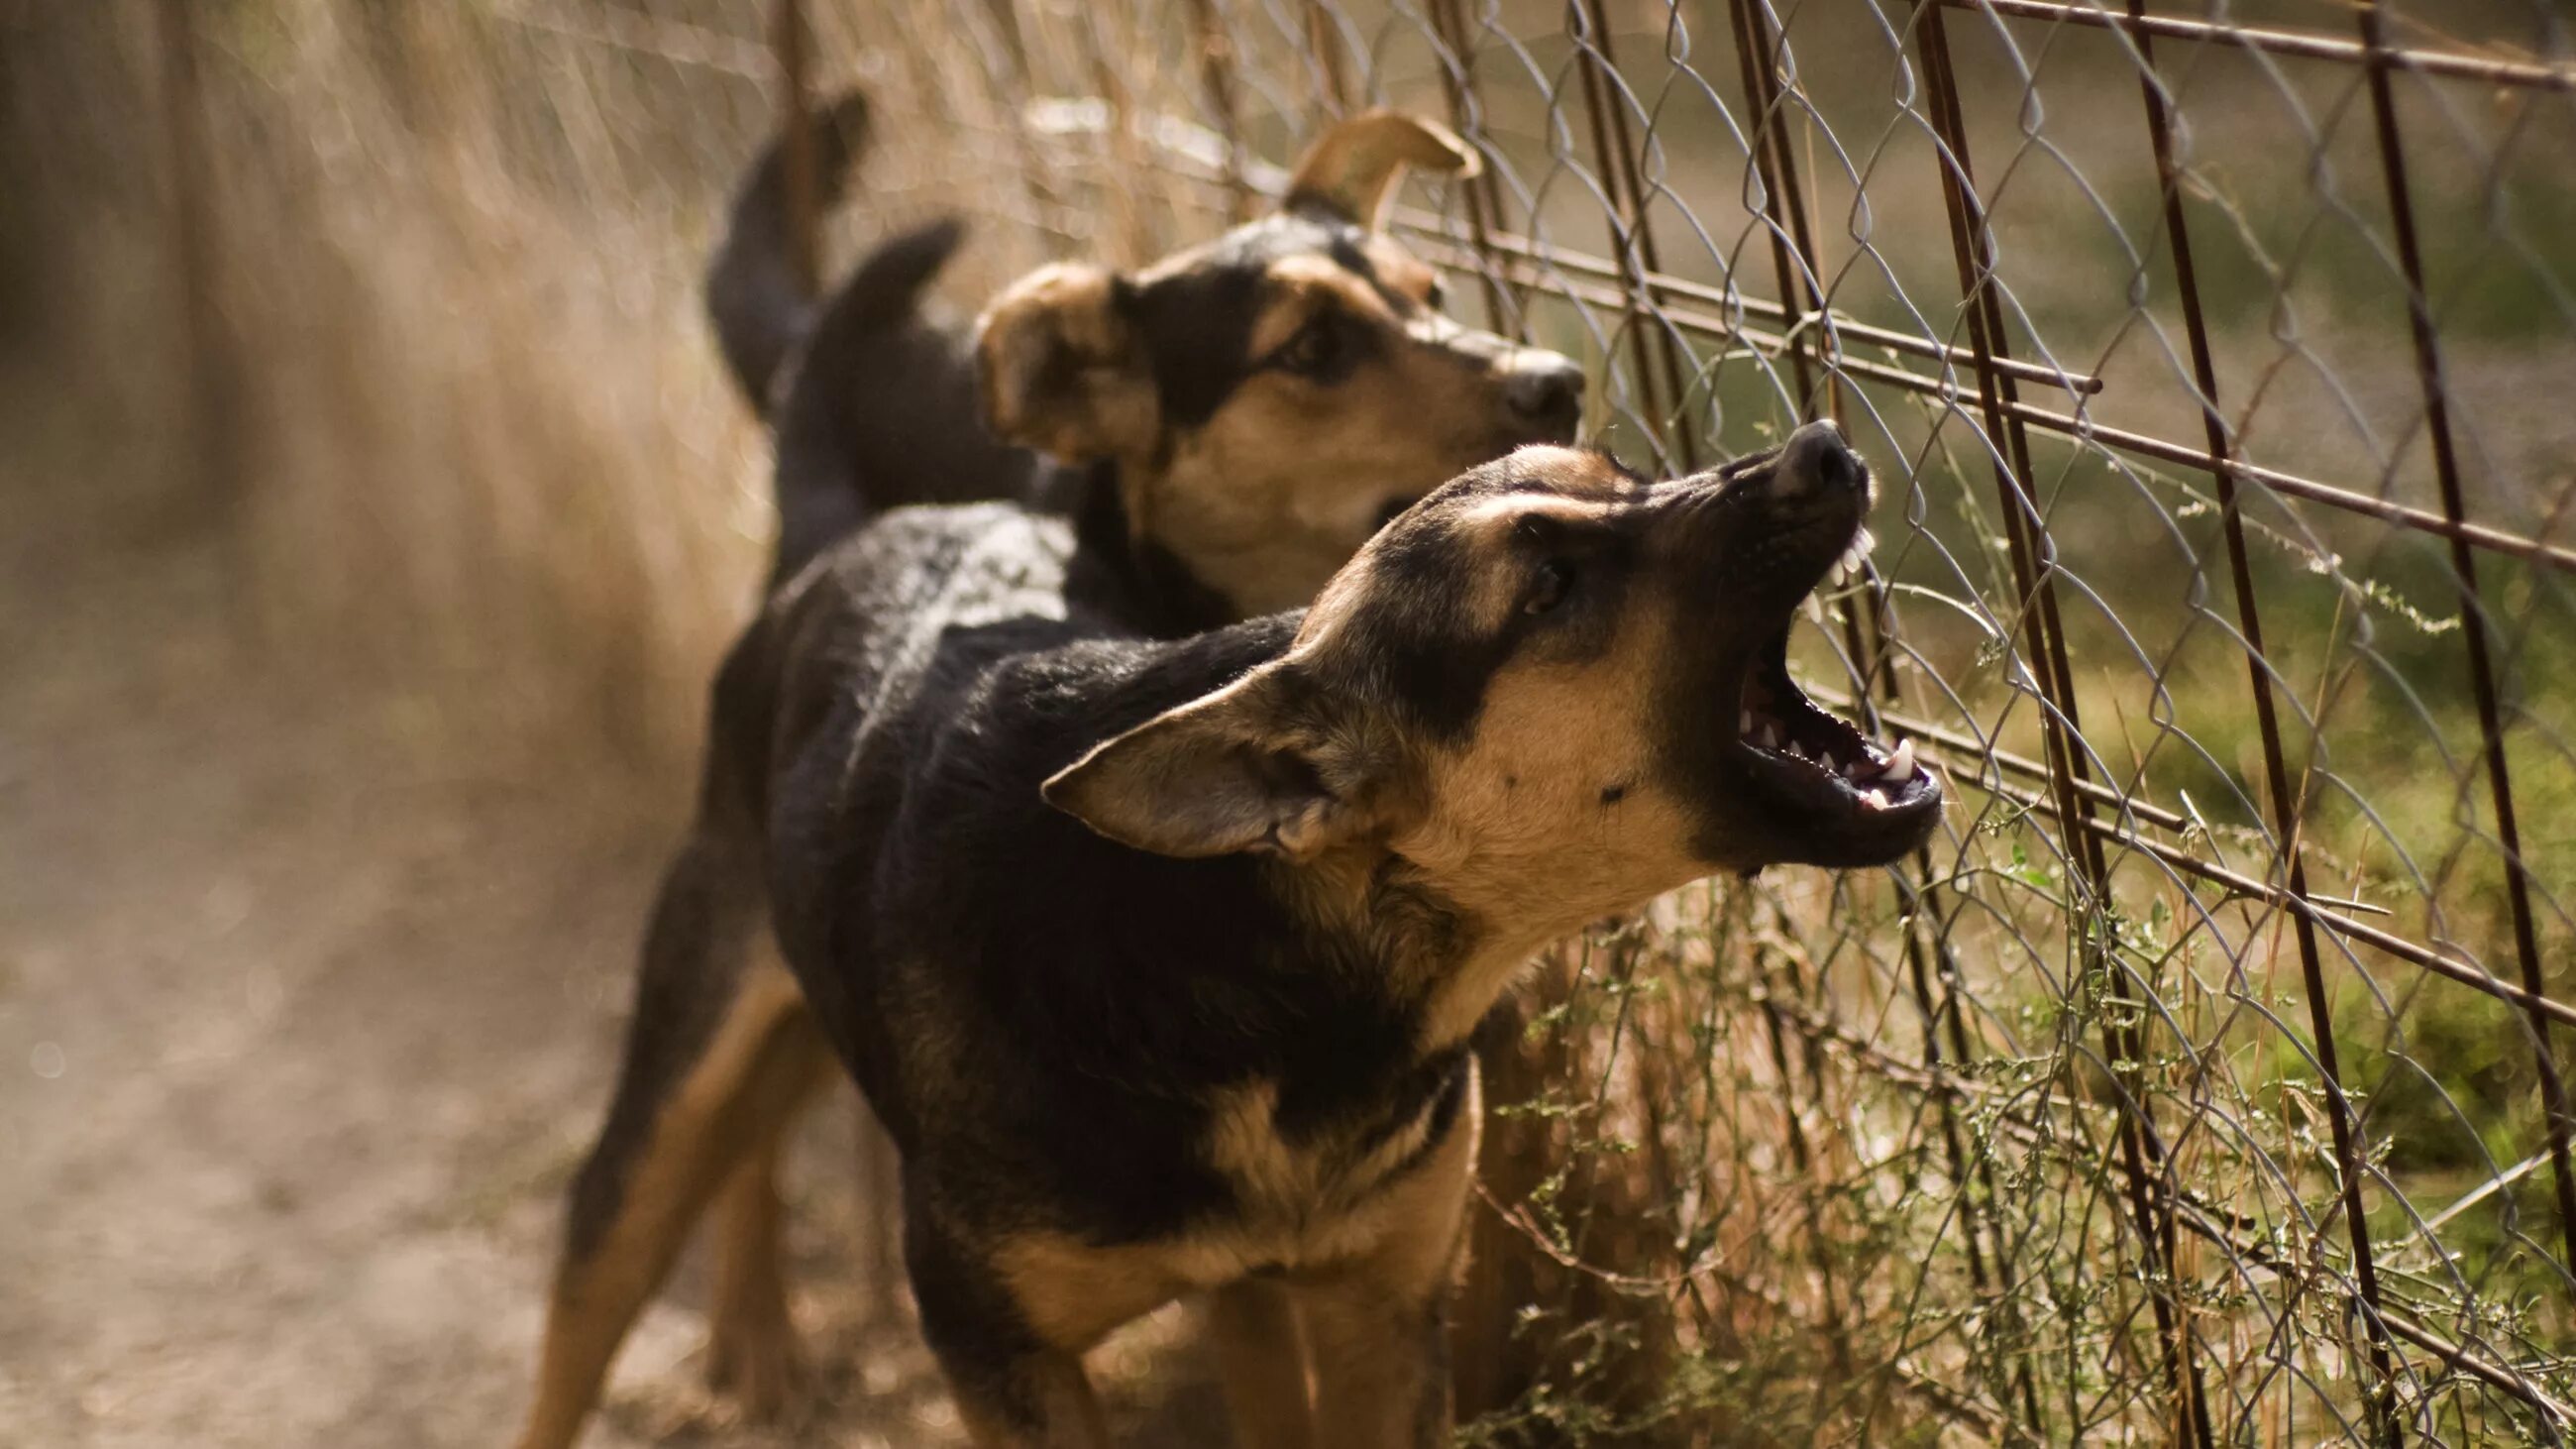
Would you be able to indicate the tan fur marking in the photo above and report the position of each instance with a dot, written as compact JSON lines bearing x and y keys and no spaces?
{"x":1366,"y":1255}
{"x":1303,"y":284}
{"x":1371,"y":1328}
{"x":752,"y":1075}
{"x":1058,"y":368}
{"x":1261,"y":1355}
{"x":751,"y":1345}
{"x":1400,"y":269}
{"x":1521,"y":837}
{"x":1310,"y":1186}
{"x":1073,"y":1293}
{"x":1289,"y":478}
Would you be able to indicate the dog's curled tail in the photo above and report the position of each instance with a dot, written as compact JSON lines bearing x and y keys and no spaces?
{"x":864,"y":387}
{"x":762,"y":308}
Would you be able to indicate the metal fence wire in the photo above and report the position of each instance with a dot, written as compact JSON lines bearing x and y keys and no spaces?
{"x":2201,"y":1082}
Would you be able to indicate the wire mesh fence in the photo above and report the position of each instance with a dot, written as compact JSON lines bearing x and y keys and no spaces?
{"x":2201,"y":1081}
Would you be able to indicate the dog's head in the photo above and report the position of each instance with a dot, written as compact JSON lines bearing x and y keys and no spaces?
{"x":1549,"y":692}
{"x":1274,"y":396}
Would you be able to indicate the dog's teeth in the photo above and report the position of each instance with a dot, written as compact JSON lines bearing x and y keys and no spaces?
{"x":1850,"y":566}
{"x":1815,"y":610}
{"x":1860,"y":769}
{"x":1827,"y":760}
{"x":1873,"y":799}
{"x":1769,"y":739}
{"x":1864,"y":542}
{"x":1744,"y":723}
{"x":1900,"y":766}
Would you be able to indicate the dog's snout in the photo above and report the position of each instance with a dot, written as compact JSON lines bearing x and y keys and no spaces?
{"x":1817,"y":460}
{"x":1545,"y":389}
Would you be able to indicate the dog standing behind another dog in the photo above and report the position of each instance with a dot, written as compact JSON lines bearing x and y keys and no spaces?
{"x":1252,"y":409}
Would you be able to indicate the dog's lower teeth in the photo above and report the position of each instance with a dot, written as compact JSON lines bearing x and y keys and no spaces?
{"x":1744,"y":723}
{"x":1873,"y":799}
{"x":1827,"y":761}
{"x":1859,"y":769}
{"x":1768,"y":739}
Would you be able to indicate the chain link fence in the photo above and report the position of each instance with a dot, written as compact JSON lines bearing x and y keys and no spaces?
{"x":2201,"y":1083}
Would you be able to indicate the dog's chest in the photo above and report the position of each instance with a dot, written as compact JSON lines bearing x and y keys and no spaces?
{"x":1309,"y":1195}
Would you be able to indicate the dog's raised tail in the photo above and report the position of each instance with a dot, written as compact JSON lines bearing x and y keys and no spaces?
{"x":867,"y":390}
{"x":762,"y":308}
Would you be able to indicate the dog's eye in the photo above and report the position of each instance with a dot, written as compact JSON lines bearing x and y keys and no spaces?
{"x":1555,"y":580}
{"x":1436,"y":294}
{"x":1314,"y":350}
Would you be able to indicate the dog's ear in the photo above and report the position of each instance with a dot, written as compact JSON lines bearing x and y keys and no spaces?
{"x":1352,"y":169}
{"x":1061,"y":367}
{"x":1232,"y":771}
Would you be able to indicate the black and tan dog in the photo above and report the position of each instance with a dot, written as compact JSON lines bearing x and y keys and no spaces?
{"x":1160,"y":958}
{"x":1226,"y":426}
{"x":1251,"y":409}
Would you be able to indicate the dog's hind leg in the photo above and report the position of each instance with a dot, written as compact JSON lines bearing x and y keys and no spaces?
{"x":721,"y":1050}
{"x":751,"y":1344}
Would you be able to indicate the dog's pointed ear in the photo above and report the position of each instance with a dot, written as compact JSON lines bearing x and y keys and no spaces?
{"x":1232,"y":771}
{"x":1061,"y":367}
{"x":1352,"y":169}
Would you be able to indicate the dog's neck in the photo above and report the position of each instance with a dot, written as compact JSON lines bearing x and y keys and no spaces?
{"x":1164,"y":599}
{"x":1377,"y":912}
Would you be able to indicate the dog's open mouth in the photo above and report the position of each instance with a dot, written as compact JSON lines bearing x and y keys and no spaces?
{"x":1803,"y":747}
{"x":1816,"y":758}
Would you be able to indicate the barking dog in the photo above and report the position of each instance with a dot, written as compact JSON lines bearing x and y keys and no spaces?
{"x":1251,"y":409}
{"x":1160,"y":958}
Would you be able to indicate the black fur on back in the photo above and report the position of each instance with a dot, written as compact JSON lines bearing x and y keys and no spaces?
{"x":923,"y":680}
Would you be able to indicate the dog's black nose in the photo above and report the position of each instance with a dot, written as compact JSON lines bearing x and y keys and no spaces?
{"x":1816,"y":458}
{"x":1546,"y":389}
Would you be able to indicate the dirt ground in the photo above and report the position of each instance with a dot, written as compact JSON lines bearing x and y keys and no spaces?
{"x":303,"y":1028}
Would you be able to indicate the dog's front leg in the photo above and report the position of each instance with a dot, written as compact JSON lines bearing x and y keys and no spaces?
{"x":1377,"y":1328}
{"x":1040,"y":1400}
{"x":1381,"y":1365}
{"x":1015,"y":1388}
{"x":1262,"y":1355}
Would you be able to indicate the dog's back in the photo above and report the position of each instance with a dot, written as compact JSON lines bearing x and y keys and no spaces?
{"x":925,"y":678}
